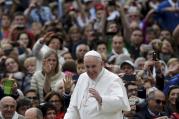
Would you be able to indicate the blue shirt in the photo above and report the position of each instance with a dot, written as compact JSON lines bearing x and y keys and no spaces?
{"x":167,"y":20}
{"x":173,"y":81}
{"x":41,"y":15}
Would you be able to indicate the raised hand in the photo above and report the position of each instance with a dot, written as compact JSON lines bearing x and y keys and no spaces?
{"x":46,"y":37}
{"x":68,"y":82}
{"x":94,"y":93}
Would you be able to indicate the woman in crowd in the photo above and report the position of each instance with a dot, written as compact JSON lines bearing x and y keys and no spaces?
{"x":24,"y":45}
{"x":58,"y":102}
{"x":171,"y":98}
{"x":49,"y":41}
{"x":44,"y":80}
{"x":13,"y":69}
{"x":48,"y":110}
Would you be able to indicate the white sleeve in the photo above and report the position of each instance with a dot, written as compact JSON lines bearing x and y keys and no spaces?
{"x":117,"y":99}
{"x":36,"y":50}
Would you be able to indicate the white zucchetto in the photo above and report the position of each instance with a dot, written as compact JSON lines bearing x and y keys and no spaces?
{"x":93,"y":53}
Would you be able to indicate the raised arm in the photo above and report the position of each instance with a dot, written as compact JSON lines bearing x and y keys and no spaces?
{"x":125,"y":24}
{"x":36,"y":50}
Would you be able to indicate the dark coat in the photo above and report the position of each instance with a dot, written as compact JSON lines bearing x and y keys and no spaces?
{"x":144,"y":114}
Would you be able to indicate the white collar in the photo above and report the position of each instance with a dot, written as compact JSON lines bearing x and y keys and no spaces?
{"x":15,"y":116}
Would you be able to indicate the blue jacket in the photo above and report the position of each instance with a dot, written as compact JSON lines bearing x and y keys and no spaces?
{"x":173,"y":81}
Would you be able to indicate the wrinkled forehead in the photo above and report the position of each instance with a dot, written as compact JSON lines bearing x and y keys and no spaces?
{"x":8,"y":101}
{"x":92,"y":59}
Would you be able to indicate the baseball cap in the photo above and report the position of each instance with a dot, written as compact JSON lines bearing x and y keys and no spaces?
{"x":127,"y":62}
{"x":99,"y":6}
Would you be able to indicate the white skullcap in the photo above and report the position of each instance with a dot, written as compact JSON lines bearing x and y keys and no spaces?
{"x":93,"y":53}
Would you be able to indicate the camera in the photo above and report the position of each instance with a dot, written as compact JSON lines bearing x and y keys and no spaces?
{"x":154,"y":56}
{"x":129,"y":77}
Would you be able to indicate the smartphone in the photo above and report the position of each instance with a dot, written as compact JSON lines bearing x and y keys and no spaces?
{"x":7,"y":86}
{"x":141,"y":93}
{"x":129,"y":77}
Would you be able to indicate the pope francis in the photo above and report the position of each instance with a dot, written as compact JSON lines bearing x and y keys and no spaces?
{"x":99,"y":93}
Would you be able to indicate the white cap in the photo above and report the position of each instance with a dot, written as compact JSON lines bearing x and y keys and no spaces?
{"x":127,"y":62}
{"x":93,"y":53}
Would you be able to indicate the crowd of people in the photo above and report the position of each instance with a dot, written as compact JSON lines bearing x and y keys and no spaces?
{"x":89,"y":59}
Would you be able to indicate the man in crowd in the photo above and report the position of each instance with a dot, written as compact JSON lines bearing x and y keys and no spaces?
{"x":8,"y":109}
{"x":154,"y":108}
{"x":99,"y":94}
{"x":33,"y":113}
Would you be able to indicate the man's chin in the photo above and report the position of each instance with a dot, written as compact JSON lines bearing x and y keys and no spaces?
{"x":8,"y":116}
{"x":93,"y":77}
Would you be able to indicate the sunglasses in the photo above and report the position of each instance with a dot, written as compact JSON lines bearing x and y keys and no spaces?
{"x":160,"y":101}
{"x":33,"y":98}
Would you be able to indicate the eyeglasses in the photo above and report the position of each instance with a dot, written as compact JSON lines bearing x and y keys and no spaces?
{"x":33,"y":98}
{"x":54,"y":101}
{"x":160,"y":101}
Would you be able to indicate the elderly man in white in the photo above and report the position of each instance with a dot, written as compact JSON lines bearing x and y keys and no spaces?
{"x":99,"y":94}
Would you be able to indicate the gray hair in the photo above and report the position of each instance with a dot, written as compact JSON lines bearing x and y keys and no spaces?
{"x":39,"y":114}
{"x":5,"y":98}
{"x":98,"y":59}
{"x":78,"y":47}
{"x":151,"y":94}
{"x":36,"y":111}
{"x":138,"y":60}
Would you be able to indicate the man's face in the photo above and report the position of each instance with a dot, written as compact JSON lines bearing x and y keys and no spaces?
{"x":8,"y":108}
{"x":165,"y":35}
{"x":33,"y":98}
{"x":19,"y":20}
{"x":5,"y":21}
{"x":117,"y":43}
{"x":136,"y":37}
{"x":93,"y":66}
{"x":132,"y":90}
{"x":156,"y":104}
{"x":102,"y":48}
{"x":99,"y":14}
{"x":127,"y":69}
{"x":81,"y":51}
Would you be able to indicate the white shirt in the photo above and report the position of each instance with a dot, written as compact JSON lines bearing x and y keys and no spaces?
{"x":15,"y":116}
{"x":110,"y":88}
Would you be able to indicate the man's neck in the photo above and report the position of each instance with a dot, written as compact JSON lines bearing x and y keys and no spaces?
{"x":153,"y":113}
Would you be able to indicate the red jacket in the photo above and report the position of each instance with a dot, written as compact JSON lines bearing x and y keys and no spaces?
{"x":60,"y":115}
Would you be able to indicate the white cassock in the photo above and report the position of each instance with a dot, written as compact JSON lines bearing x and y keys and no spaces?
{"x":110,"y":88}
